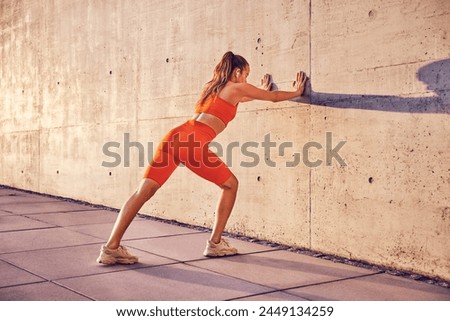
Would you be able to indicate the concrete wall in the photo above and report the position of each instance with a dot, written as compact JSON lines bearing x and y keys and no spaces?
{"x":76,"y":75}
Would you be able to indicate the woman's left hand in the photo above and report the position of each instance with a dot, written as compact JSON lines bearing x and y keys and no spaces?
{"x":266,"y":82}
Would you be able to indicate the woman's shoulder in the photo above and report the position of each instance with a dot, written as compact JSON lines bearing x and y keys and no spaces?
{"x":230,"y":93}
{"x":235,"y":88}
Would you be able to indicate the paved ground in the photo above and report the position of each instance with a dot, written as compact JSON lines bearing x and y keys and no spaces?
{"x":48,"y":248}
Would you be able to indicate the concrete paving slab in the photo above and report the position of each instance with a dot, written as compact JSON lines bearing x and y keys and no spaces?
{"x":18,"y":223}
{"x":66,"y":262}
{"x":3,"y":213}
{"x":379,"y":287}
{"x":77,"y":218}
{"x":12,"y":199}
{"x":45,"y":291}
{"x":188,"y":247}
{"x":274,"y":296}
{"x":11,"y":275}
{"x":138,"y":229}
{"x":9,"y":191}
{"x":171,"y":282}
{"x":281,"y":269}
{"x":42,"y":239}
{"x":45,"y":207}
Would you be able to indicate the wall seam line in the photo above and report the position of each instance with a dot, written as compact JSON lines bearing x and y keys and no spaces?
{"x":310,"y":128}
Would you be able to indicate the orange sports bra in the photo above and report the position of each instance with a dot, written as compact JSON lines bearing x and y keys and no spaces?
{"x":218,"y":107}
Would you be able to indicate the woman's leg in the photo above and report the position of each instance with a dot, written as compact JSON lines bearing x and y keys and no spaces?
{"x":216,"y":245}
{"x":224,"y":207}
{"x":159,"y":170}
{"x":156,"y":174}
{"x":213,"y":169}
{"x":112,"y":252}
{"x":147,"y":188}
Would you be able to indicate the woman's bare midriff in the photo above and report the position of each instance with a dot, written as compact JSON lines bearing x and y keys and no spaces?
{"x":212,"y":121}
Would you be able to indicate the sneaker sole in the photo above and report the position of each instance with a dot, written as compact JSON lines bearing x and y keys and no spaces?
{"x":127,"y":261}
{"x":115,"y":261}
{"x":218,"y":254}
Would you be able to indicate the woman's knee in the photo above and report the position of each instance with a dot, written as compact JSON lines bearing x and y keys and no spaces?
{"x":231,"y":183}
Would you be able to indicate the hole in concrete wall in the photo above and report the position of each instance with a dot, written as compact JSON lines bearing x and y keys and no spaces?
{"x":110,"y":173}
{"x":370,"y":180}
{"x":258,"y":40}
{"x":167,"y":60}
{"x":110,"y":72}
{"x":258,"y":178}
{"x":58,"y":82}
{"x":372,"y":14}
{"x":22,"y":172}
{"x":57,"y":172}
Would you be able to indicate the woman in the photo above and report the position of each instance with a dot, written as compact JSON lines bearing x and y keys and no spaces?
{"x":188,"y":144}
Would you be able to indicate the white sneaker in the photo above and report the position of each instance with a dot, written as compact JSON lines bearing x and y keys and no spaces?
{"x":119,"y":255}
{"x":221,"y":249}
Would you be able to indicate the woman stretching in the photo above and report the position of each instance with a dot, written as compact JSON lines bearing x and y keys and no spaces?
{"x":188,"y":144}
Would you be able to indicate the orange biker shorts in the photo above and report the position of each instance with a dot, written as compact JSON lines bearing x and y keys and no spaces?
{"x":188,"y":144}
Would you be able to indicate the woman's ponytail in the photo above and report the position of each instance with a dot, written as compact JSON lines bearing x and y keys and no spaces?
{"x":222,"y":74}
{"x":225,"y":67}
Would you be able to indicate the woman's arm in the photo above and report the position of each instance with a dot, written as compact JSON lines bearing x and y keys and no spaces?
{"x":250,"y":92}
{"x":266,"y":84}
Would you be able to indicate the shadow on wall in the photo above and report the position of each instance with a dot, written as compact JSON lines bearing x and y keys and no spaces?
{"x":437,"y":77}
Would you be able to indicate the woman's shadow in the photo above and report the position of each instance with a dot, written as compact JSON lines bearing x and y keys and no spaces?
{"x":435,"y":75}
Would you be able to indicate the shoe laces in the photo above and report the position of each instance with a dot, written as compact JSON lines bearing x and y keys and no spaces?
{"x":123,"y":250}
{"x":225,"y":242}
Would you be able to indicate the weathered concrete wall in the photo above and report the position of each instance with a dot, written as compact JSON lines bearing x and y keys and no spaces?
{"x":76,"y":75}
{"x":391,"y":203}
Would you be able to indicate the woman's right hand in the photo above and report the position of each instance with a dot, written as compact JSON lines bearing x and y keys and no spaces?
{"x":299,"y":83}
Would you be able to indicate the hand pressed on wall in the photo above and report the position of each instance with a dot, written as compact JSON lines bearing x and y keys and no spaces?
{"x":298,"y":84}
{"x":266,"y":82}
